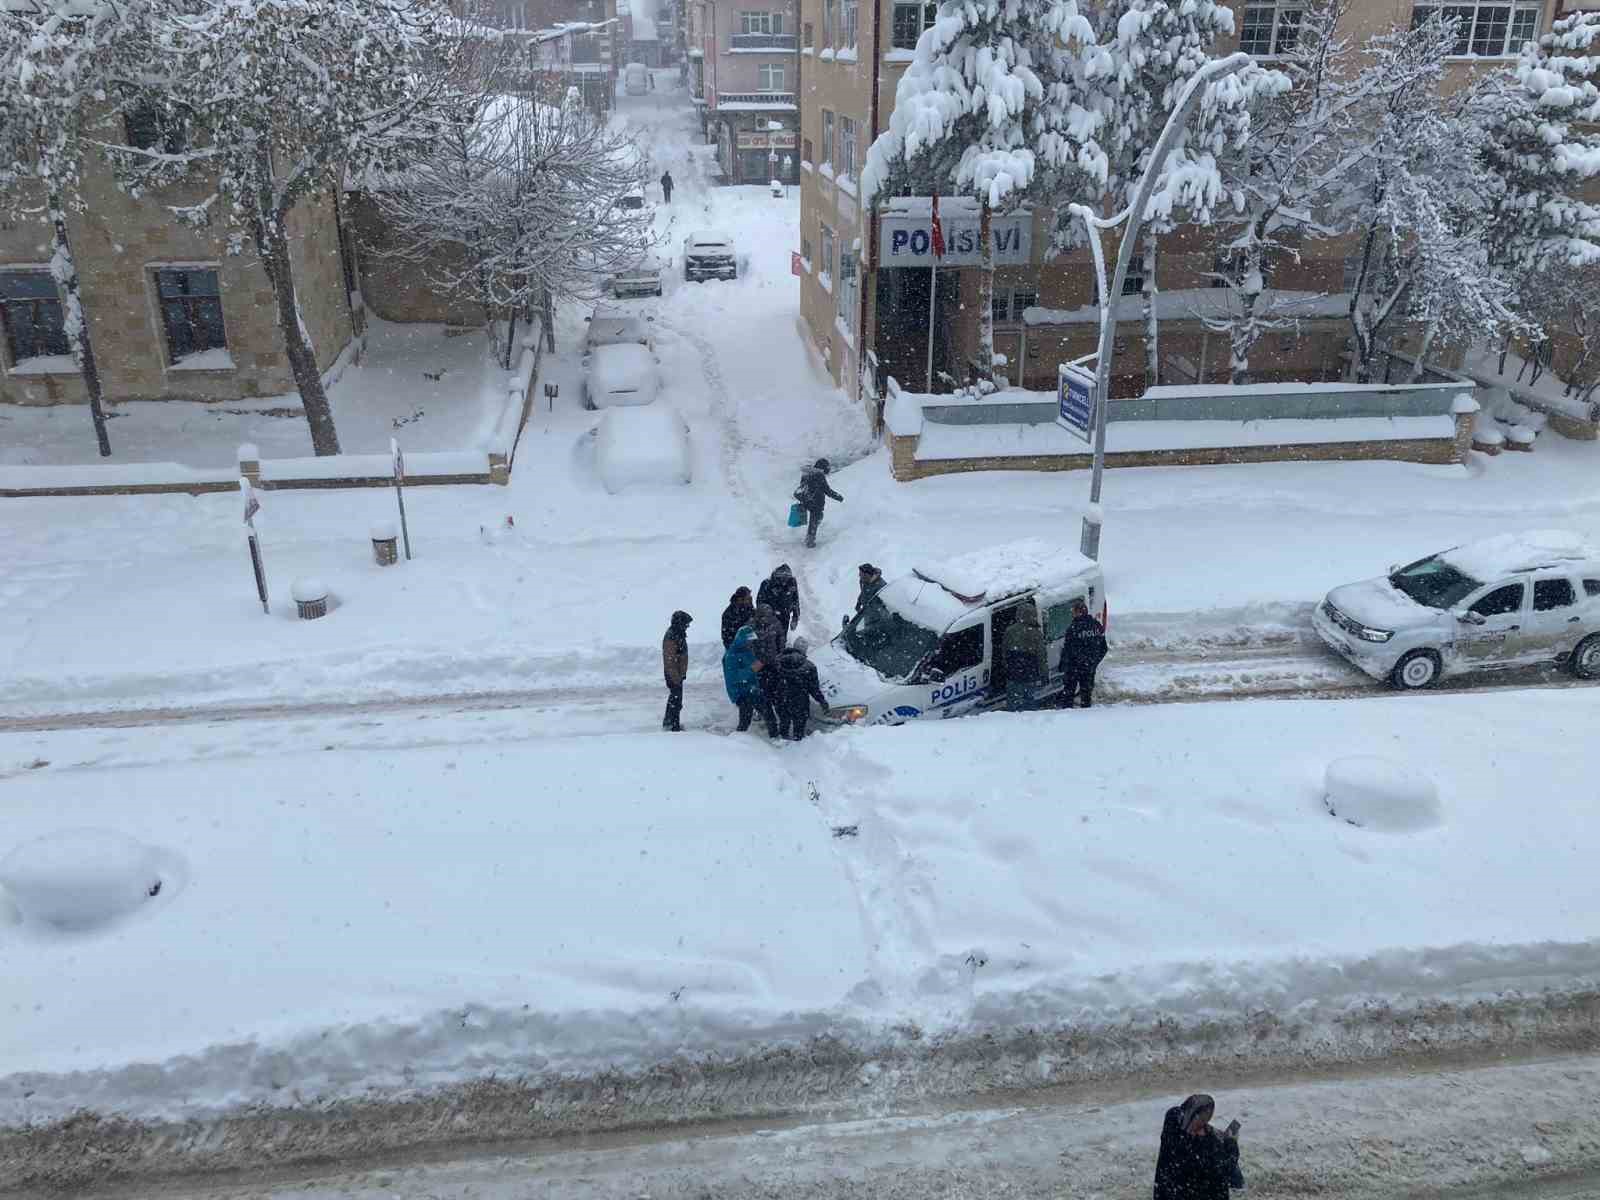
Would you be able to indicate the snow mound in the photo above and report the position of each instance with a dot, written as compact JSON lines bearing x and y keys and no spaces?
{"x":308,"y":589}
{"x":1377,"y":793}
{"x":998,"y":571}
{"x":642,"y":447}
{"x":81,"y":878}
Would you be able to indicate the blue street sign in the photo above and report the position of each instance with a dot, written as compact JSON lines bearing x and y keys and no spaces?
{"x":1075,"y":393}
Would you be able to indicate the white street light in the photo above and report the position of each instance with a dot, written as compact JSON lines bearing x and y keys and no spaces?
{"x":1089,"y":542}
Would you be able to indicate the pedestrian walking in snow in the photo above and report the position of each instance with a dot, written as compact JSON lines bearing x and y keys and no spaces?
{"x":666,"y":186}
{"x":675,"y":666}
{"x":780,"y":592}
{"x":1196,"y":1162}
{"x":738,"y":613}
{"x":742,"y":680}
{"x":1023,"y":651}
{"x":798,"y":686}
{"x":1081,"y":655}
{"x":813,"y":494}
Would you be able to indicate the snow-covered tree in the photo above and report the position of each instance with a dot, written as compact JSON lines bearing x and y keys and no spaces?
{"x":520,"y":199}
{"x":58,"y":58}
{"x":278,"y":101}
{"x":968,"y":117}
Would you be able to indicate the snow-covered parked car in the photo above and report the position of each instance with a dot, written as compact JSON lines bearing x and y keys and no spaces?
{"x":642,"y":280}
{"x":614,"y":327}
{"x":622,"y":375}
{"x":642,"y":447}
{"x":708,"y":255}
{"x":927,"y":644}
{"x":1509,"y":601}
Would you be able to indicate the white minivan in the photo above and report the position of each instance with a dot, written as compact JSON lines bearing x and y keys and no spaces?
{"x":927,"y":644}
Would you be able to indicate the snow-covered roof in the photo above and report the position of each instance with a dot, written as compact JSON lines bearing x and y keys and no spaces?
{"x":995,"y":572}
{"x":1196,"y":302}
{"x":1512,"y":552}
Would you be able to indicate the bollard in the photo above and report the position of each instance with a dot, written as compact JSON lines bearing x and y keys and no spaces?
{"x":385,"y":543}
{"x":310,"y":597}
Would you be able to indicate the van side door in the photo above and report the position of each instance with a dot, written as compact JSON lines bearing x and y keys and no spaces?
{"x":956,"y":678}
{"x":1555,"y":623}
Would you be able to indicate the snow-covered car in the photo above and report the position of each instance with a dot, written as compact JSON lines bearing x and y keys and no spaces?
{"x":632,"y":199}
{"x":642,"y":280}
{"x":613,"y":327}
{"x":708,"y":255}
{"x":636,"y":79}
{"x":927,"y":644}
{"x":1509,"y":601}
{"x":621,"y":375}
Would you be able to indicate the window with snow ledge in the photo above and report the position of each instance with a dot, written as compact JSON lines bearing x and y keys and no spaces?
{"x":826,"y":281}
{"x":911,"y":17}
{"x":45,"y":364}
{"x":844,"y":331}
{"x":805,"y":166}
{"x":1485,"y":30}
{"x":845,"y":54}
{"x":215,"y":359}
{"x":826,"y":55}
{"x":189,"y":298}
{"x":30,"y":310}
{"x":826,"y":170}
{"x":900,"y":57}
{"x":1267,"y":30}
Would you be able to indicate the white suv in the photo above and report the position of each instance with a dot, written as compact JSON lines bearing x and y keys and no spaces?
{"x":1508,"y":601}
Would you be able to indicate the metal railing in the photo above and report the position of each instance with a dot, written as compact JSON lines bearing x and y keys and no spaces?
{"x":755,"y":98}
{"x":762,"y":41}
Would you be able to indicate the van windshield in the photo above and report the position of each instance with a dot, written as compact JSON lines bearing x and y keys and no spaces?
{"x":886,"y":641}
{"x":1433,"y":582}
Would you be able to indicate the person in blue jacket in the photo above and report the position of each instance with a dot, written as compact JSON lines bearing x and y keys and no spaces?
{"x":744,"y":689}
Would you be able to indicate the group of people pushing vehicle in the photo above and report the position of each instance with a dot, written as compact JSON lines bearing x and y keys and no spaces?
{"x":1024,"y":652}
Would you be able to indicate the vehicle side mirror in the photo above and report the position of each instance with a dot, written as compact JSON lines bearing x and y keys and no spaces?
{"x":1394,"y":568}
{"x":1467,"y":617}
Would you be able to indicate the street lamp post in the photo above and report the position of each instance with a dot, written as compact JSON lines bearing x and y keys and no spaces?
{"x":1111,"y":293}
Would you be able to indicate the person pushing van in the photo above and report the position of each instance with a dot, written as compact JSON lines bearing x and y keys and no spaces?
{"x":1026,"y":663}
{"x":1081,"y":655}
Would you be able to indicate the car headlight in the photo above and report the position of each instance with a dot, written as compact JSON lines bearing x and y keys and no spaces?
{"x":848,"y":713}
{"x":1373,"y":635}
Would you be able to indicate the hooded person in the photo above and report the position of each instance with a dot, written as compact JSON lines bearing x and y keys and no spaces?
{"x":1081,"y":655}
{"x":798,"y":686}
{"x":675,"y":667}
{"x":1196,"y":1162}
{"x":871,"y":581}
{"x":743,"y":682}
{"x":780,"y":591}
{"x":767,"y":640}
{"x":1022,"y":649}
{"x":813,"y":494}
{"x":738,"y":613}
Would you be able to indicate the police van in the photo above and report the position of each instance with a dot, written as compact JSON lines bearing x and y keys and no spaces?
{"x":927,"y":645}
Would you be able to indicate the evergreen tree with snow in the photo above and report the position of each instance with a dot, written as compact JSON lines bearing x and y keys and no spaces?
{"x":281,"y":101}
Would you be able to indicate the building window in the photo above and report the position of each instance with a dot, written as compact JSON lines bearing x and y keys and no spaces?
{"x":827,"y":139}
{"x":150,"y":127}
{"x":825,"y":264}
{"x":760,"y":22}
{"x":1133,"y":282}
{"x":1485,"y":30}
{"x":808,"y":34}
{"x":845,"y":167}
{"x":32,"y":310}
{"x":829,"y":24}
{"x":769,"y":78}
{"x":805,"y":250}
{"x":191,"y":311}
{"x":1008,"y":306}
{"x":1269,"y":29}
{"x":845,"y":293}
{"x":910,"y":19}
{"x":805,"y":154}
{"x":849,"y":16}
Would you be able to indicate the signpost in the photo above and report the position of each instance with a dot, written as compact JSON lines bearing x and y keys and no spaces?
{"x":400,"y":493}
{"x":251,"y":507}
{"x":1075,"y":392}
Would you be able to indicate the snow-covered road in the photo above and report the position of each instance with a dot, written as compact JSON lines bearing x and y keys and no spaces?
{"x":1529,"y":1131}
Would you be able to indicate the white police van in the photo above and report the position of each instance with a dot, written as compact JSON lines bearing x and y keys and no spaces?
{"x":927,"y":645}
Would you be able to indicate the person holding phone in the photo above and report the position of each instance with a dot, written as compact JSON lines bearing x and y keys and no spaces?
{"x":1197,"y":1161}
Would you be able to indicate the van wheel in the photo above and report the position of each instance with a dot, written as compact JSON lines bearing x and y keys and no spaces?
{"x":1418,"y":669}
{"x":1585,"y":661}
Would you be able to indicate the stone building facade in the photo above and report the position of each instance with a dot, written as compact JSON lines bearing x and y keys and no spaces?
{"x":852,"y":56}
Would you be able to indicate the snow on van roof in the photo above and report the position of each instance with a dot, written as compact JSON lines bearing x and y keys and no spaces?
{"x":1512,"y":552}
{"x":996,"y":572}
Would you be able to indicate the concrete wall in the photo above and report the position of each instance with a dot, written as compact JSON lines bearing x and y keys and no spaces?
{"x":397,"y":291}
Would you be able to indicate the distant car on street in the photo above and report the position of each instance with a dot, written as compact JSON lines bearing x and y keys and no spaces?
{"x":622,"y":375}
{"x":632,"y":199}
{"x":1511,"y":601}
{"x":642,"y":280}
{"x":636,"y":79}
{"x":709,"y":255}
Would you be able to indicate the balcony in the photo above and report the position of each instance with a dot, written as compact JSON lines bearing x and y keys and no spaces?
{"x":756,"y":101}
{"x":771,"y":42}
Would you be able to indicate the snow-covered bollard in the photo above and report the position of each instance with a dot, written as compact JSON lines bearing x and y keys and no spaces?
{"x":777,"y":190}
{"x":1520,"y":437}
{"x":81,"y":878}
{"x":310,"y":597}
{"x":385,"y":543}
{"x":1377,"y":793}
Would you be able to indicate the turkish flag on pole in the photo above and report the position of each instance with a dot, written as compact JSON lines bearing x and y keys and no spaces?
{"x":938,"y":230}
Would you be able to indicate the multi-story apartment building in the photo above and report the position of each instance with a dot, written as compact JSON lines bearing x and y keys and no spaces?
{"x":744,"y":76}
{"x":858,"y":293}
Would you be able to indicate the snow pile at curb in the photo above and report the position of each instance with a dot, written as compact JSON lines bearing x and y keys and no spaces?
{"x":512,"y":909}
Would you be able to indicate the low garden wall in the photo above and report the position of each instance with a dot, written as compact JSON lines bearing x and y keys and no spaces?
{"x":1014,"y":430}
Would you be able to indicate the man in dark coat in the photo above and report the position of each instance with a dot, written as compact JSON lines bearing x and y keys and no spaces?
{"x":1023,"y":652}
{"x":781,"y":593}
{"x":872,"y":582}
{"x":798,"y":686}
{"x":738,"y":613}
{"x":1196,"y":1162}
{"x":1080,"y":656}
{"x":768,"y":647}
{"x":813,"y":494}
{"x":666,"y":186}
{"x":675,"y":666}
